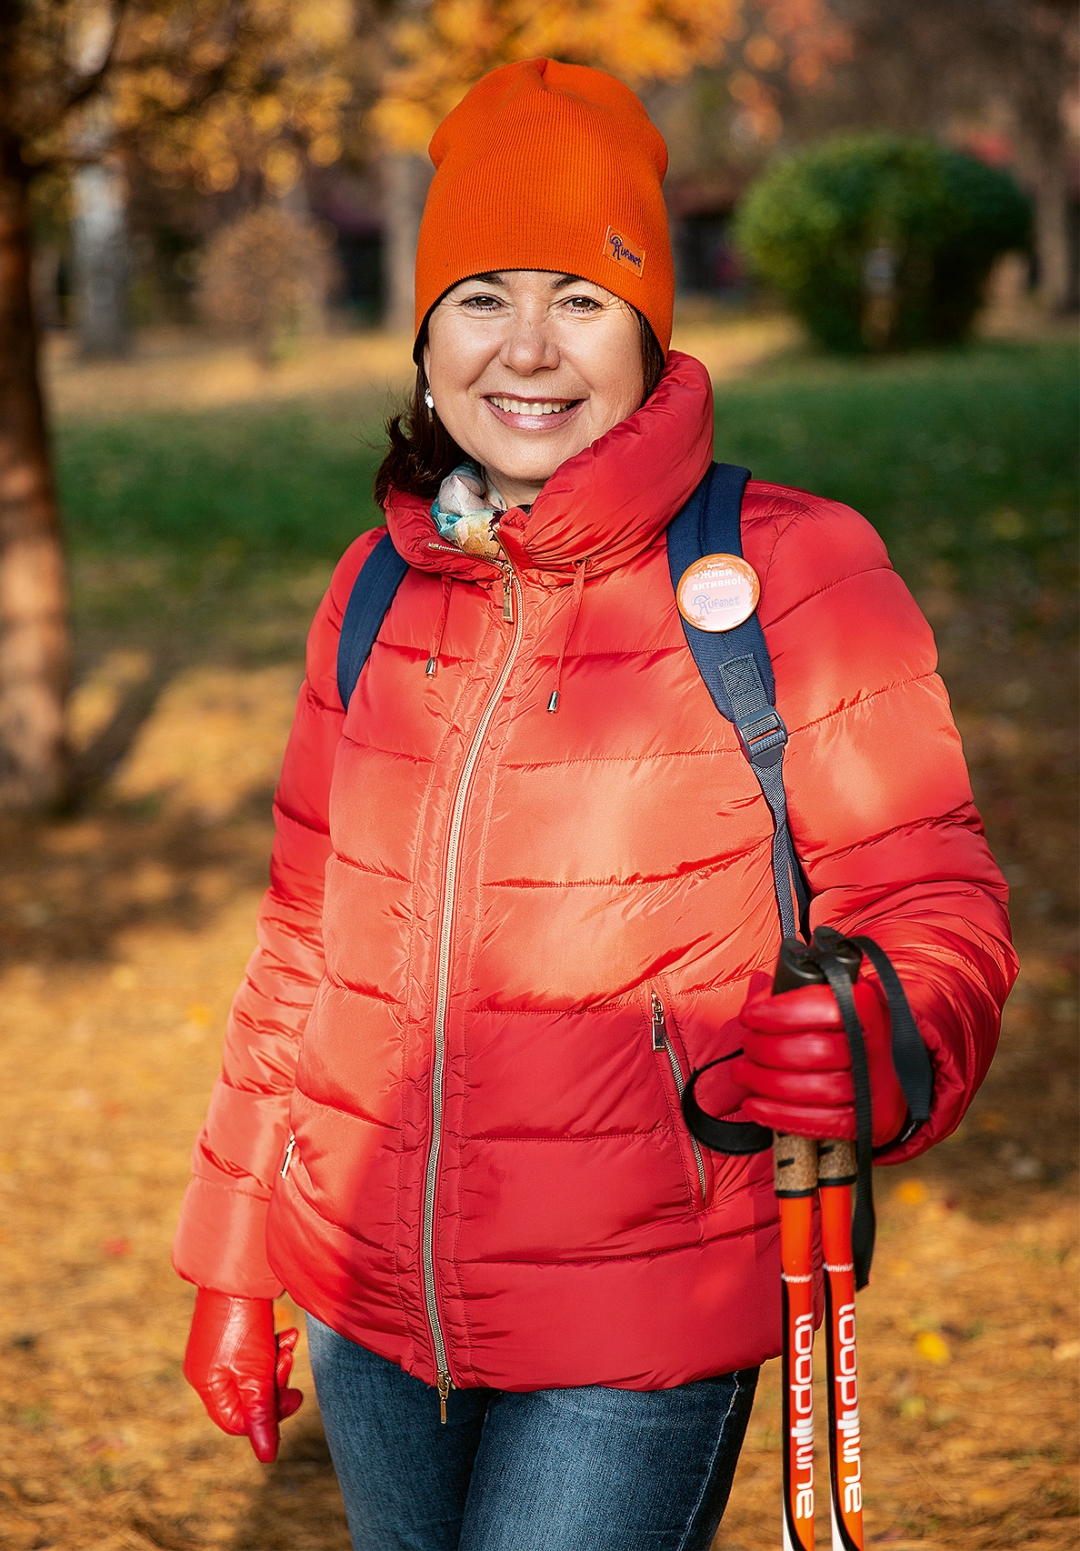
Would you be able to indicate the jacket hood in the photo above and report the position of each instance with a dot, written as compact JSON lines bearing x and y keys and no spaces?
{"x":605,"y":505}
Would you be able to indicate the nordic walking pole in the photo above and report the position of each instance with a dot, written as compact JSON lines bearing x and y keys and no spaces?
{"x":802,"y":1169}
{"x":834,"y":1169}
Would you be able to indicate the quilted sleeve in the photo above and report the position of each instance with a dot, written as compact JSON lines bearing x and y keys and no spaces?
{"x":881,"y":808}
{"x":221,"y":1239}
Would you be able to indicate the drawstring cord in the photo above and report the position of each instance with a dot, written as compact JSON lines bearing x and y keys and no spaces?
{"x":571,"y":620}
{"x":433,"y":660}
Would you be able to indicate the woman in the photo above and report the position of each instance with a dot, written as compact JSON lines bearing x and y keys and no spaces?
{"x":525,"y":883}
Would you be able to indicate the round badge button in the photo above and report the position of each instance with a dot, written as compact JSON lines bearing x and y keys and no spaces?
{"x":718,"y":592}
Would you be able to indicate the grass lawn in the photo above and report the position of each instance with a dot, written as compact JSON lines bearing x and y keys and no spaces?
{"x":967,"y":457}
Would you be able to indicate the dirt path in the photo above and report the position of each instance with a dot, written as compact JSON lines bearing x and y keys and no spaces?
{"x":123,"y":934}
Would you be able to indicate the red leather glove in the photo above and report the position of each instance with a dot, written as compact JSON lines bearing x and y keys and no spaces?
{"x":796,"y":1065}
{"x":241,"y":1369}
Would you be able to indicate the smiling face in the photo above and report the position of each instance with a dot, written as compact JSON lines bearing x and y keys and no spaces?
{"x":527,"y":368}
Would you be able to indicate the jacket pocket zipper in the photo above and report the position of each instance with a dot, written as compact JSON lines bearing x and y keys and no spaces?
{"x":288,"y":1154}
{"x":661,"y":1041}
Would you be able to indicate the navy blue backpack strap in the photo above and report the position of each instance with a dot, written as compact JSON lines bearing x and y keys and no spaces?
{"x":738,"y":674}
{"x":737,"y":670}
{"x":373,"y":591}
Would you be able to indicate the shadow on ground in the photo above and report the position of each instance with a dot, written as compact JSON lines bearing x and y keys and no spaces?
{"x":70,"y":888}
{"x":299,"y":1488}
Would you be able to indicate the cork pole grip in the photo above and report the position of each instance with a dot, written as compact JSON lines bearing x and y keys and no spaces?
{"x":795,"y":1165}
{"x":836,"y":1163}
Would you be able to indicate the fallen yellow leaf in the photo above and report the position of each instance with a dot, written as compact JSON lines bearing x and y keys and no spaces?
{"x":912,"y":1192}
{"x":931,"y":1346}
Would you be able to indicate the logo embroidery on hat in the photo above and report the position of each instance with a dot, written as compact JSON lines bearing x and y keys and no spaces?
{"x":616,"y":247}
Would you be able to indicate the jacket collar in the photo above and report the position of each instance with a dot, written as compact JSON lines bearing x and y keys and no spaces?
{"x":606,"y":504}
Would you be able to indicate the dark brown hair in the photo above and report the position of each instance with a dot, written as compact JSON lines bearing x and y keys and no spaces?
{"x":422,"y":452}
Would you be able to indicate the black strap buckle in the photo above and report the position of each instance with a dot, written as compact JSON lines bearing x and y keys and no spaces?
{"x":762,"y":733}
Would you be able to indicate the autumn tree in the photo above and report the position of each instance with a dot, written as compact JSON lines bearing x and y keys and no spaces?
{"x":204,"y":90}
{"x":437,"y":52}
{"x":266,"y":274}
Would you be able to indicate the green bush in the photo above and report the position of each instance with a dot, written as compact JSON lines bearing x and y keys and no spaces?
{"x":880,"y":242}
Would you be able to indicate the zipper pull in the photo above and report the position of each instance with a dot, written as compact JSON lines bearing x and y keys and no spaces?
{"x":444,"y":1386}
{"x":288,"y":1155}
{"x":508,"y":597}
{"x":659,"y":1032}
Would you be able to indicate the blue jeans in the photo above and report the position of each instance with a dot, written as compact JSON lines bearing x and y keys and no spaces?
{"x":589,"y":1469}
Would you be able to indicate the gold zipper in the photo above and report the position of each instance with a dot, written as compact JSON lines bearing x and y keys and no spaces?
{"x":504,"y":565}
{"x":662,"y":1041}
{"x":288,"y":1154}
{"x":442,"y":990}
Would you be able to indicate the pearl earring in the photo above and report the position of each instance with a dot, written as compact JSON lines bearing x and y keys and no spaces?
{"x":428,"y":400}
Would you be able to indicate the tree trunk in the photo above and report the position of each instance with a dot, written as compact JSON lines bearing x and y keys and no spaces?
{"x":34,"y":631}
{"x":405,"y":186}
{"x":102,"y":259}
{"x":48,"y":257}
{"x":1052,"y":245}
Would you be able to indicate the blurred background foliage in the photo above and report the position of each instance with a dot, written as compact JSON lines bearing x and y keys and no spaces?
{"x":439,"y":50}
{"x":881,"y":242}
{"x":166,"y":122}
{"x":267,"y":275}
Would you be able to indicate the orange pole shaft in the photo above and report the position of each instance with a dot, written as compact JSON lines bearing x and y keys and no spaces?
{"x":845,"y":1450}
{"x":797,"y":1290}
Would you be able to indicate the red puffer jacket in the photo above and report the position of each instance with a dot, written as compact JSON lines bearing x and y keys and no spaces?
{"x":496,"y":939}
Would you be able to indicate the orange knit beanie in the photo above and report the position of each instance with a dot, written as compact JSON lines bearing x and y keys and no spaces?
{"x":549,"y":166}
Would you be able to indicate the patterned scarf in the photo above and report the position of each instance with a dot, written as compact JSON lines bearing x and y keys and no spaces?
{"x":466,"y":511}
